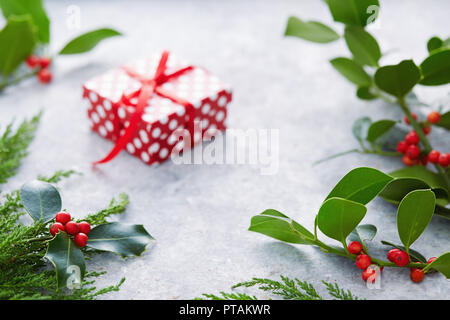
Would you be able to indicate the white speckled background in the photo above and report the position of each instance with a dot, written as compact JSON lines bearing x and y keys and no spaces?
{"x":200,"y":214}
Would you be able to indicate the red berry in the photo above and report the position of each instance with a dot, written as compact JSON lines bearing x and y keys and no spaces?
{"x":354,"y":247}
{"x":401,"y":259}
{"x":392,"y":253}
{"x":434,"y":117}
{"x":44,"y":76}
{"x":44,"y":62}
{"x":426,"y":130}
{"x":72,"y":227}
{"x":32,"y":61}
{"x":433,"y":156}
{"x":417,"y":275}
{"x":413,"y":152}
{"x":81,"y":239}
{"x":431,"y":260}
{"x":412,"y":138}
{"x":84,"y":227}
{"x":407,"y":161}
{"x":413,"y":115}
{"x":363,"y":261}
{"x":402,"y":146}
{"x":413,"y":268}
{"x":63,"y":217}
{"x":56,"y":227}
{"x":444,"y":160}
{"x":369,"y":272}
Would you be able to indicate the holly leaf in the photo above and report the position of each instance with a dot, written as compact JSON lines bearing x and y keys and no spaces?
{"x":412,"y":253}
{"x":310,"y":30}
{"x":88,"y":41}
{"x":398,"y":79}
{"x":365,"y":93}
{"x":360,"y":185}
{"x":434,"y":43}
{"x":35,"y":9}
{"x":68,"y":261}
{"x":354,"y":12}
{"x":123,"y":239}
{"x":379,"y":128}
{"x":362,"y":45}
{"x":363,"y":233}
{"x":276,"y":225}
{"x":441,"y":264}
{"x":360,"y":127}
{"x":352,"y":71}
{"x":414,"y":214}
{"x":41,"y":200}
{"x":445,"y":121}
{"x":17,"y":41}
{"x":338,"y":217}
{"x":434,"y":180}
{"x":436,"y":69}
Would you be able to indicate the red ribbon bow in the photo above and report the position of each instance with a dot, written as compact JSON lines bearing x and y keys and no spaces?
{"x":148,"y":87}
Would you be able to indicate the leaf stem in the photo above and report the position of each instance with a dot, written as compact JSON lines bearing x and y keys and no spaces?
{"x":5,"y":83}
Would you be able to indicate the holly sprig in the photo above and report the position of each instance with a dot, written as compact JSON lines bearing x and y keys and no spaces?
{"x":67,"y":241}
{"x":27,"y":30}
{"x":339,"y":218}
{"x":391,"y":83}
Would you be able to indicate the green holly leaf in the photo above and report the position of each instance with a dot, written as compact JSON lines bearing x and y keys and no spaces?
{"x":338,"y":217}
{"x":17,"y":41}
{"x":434,"y":180}
{"x":445,"y":121}
{"x":365,"y":93}
{"x":434,"y":43}
{"x":354,"y":12}
{"x":414,"y":214}
{"x":441,"y":264}
{"x":41,"y":200}
{"x":398,"y":188}
{"x":362,"y":45}
{"x":35,"y":9}
{"x":415,"y":255}
{"x":379,"y":128}
{"x":276,"y":225}
{"x":360,"y":127}
{"x":122,"y":239}
{"x":352,"y":71}
{"x":88,"y":41}
{"x":360,"y":185}
{"x":436,"y":69}
{"x":68,"y":261}
{"x":363,"y":233}
{"x":310,"y":30}
{"x":398,"y":79}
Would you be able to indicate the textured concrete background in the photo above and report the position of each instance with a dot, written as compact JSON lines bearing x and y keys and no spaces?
{"x":200,"y":214}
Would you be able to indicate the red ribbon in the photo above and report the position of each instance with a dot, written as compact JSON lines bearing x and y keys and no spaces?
{"x":148,"y":87}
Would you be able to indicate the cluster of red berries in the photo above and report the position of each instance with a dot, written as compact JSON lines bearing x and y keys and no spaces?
{"x":78,"y":230}
{"x":401,"y":259}
{"x":412,"y":153}
{"x":44,"y":75}
{"x":397,"y":256}
{"x":363,"y":261}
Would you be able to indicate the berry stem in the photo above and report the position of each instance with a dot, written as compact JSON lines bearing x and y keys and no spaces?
{"x":423,"y":137}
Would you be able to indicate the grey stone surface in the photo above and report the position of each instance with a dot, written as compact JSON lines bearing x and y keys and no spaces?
{"x":199,"y":214}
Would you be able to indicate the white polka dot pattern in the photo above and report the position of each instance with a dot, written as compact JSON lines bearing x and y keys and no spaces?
{"x":154,"y":140}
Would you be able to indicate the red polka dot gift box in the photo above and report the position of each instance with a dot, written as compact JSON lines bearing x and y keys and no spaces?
{"x":150,"y":106}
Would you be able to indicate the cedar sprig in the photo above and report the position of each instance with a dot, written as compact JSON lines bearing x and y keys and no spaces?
{"x":288,"y":289}
{"x":14,"y":144}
